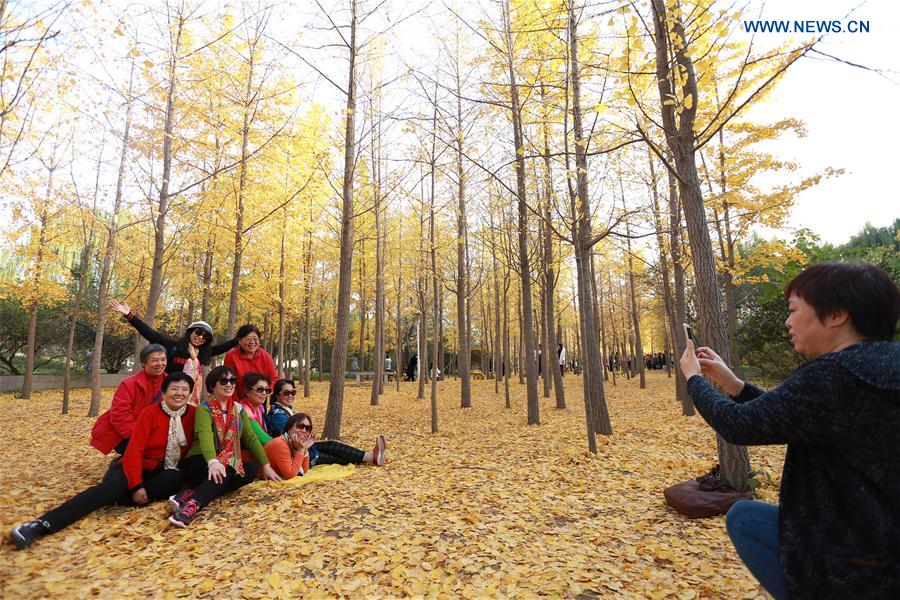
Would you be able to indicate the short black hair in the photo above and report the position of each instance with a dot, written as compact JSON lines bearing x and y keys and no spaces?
{"x":245,"y":330}
{"x":177,"y":376}
{"x":252,"y":378}
{"x":215,"y":375}
{"x":149,"y":349}
{"x":866,"y":292}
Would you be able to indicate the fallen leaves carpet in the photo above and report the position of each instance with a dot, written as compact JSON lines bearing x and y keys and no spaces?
{"x":488,"y":507}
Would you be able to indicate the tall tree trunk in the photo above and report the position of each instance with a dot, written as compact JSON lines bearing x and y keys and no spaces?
{"x":436,"y":307}
{"x":668,"y":300}
{"x":239,"y":207}
{"x":86,"y":257}
{"x":504,"y":366}
{"x":162,"y":208}
{"x":282,"y":300}
{"x":34,"y":293}
{"x":398,"y":368}
{"x":306,"y":367}
{"x":581,"y":213}
{"x":106,"y":267}
{"x":734,"y":460}
{"x":462,"y":268}
{"x":638,"y":347}
{"x":680,"y":307}
{"x":378,"y":367}
{"x":335,"y":407}
{"x":527,"y":324}
{"x":498,"y":336}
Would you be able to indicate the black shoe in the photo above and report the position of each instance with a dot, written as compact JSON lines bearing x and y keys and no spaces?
{"x":25,"y":534}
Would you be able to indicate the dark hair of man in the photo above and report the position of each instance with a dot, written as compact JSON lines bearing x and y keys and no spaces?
{"x":279,"y":385}
{"x":245,"y":330}
{"x":149,"y":349}
{"x":870,"y":298}
{"x":215,"y":375}
{"x":177,"y":376}
{"x":252,"y":378}
{"x":296,"y":418}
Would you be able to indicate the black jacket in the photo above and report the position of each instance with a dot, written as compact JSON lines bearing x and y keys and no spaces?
{"x":839,"y":519}
{"x":176,"y":350}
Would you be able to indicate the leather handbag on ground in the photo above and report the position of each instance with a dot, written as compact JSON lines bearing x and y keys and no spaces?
{"x":705,"y":496}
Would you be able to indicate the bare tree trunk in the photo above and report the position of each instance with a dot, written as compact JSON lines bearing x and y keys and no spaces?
{"x":668,"y":299}
{"x":335,"y":407}
{"x":281,"y":300}
{"x":398,"y":368}
{"x":306,"y":366}
{"x":581,"y":212}
{"x":86,"y":256}
{"x":506,"y":362}
{"x":527,"y":324}
{"x":378,"y":382}
{"x":462,"y":268}
{"x":436,"y":307}
{"x":159,"y":236}
{"x":106,"y":267}
{"x":239,"y":207}
{"x":37,"y":274}
{"x":734,"y":460}
{"x":638,"y":347}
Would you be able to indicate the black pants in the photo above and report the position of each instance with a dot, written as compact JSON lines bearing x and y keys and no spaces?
{"x":113,"y":489}
{"x":205,"y":489}
{"x":336,"y":453}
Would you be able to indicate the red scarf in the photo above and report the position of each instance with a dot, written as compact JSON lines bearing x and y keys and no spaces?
{"x":226,"y":430}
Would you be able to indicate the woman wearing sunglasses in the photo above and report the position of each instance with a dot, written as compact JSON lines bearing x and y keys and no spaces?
{"x":296,"y":451}
{"x":214,"y":464}
{"x":189,"y":353}
{"x":282,"y":406}
{"x":257,"y":388}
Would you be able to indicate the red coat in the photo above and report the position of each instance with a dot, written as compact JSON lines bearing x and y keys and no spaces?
{"x":147,"y":446}
{"x":133,"y":395}
{"x":261,"y":363}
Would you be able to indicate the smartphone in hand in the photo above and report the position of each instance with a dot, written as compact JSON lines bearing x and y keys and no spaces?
{"x":690,"y":334}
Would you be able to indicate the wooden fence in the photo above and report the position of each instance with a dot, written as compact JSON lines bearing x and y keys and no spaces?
{"x":10,"y":383}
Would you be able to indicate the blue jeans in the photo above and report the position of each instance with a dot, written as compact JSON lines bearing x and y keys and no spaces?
{"x":753,"y":529}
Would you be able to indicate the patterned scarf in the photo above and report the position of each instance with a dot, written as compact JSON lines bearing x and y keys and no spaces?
{"x":225,"y":429}
{"x":176,"y":439}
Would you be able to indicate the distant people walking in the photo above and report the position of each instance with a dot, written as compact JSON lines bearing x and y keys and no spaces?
{"x":561,"y":354}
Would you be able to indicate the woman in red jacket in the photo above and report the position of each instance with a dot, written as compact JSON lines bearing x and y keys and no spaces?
{"x":147,"y":472}
{"x":249,"y":357}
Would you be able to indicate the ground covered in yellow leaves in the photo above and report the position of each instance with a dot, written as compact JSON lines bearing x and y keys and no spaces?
{"x":489,"y":507}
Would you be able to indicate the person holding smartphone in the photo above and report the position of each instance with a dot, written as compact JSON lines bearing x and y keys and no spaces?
{"x":836,"y":530}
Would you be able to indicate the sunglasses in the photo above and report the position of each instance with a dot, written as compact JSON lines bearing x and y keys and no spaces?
{"x":262,"y":390}
{"x":288,"y":392}
{"x":200,"y":333}
{"x":304,"y":426}
{"x":227,"y":381}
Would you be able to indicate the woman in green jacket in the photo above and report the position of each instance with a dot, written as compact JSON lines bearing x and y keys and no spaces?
{"x":214,"y":464}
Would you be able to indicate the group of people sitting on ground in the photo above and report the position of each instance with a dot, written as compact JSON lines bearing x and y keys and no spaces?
{"x":171,"y":445}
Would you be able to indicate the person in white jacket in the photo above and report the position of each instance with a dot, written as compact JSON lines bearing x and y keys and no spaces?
{"x":561,"y":352}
